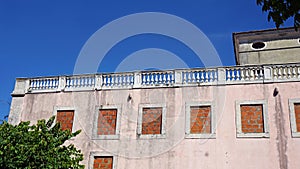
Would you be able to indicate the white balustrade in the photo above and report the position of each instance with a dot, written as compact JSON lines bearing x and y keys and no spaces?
{"x":199,"y":76}
{"x":118,"y":80}
{"x":210,"y":76}
{"x":286,"y":72}
{"x":245,"y":73}
{"x":43,"y":83}
{"x":158,"y":78}
{"x":84,"y":81}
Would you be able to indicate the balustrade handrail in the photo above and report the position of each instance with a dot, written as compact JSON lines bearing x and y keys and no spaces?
{"x":166,"y":78}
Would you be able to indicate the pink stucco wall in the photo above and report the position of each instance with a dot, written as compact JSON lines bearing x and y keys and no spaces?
{"x":225,"y":151}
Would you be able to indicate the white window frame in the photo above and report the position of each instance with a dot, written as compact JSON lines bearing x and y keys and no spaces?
{"x":188,"y":133}
{"x":61,"y":108}
{"x":292,"y":102}
{"x":140,"y":121}
{"x":239,"y":132}
{"x":116,"y":136}
{"x":94,"y":154}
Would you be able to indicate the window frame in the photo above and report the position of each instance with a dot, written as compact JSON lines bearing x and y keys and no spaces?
{"x":239,"y":133}
{"x":61,"y":108}
{"x":94,"y":154}
{"x":116,"y":136}
{"x":293,"y":124}
{"x":140,"y":121}
{"x":188,"y":133}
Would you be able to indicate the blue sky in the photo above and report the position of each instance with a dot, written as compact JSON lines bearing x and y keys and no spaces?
{"x":42,"y":38}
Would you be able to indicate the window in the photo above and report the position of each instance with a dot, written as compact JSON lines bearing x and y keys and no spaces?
{"x":258,"y":45}
{"x":294,"y":105}
{"x":251,"y":119}
{"x":200,"y":120}
{"x":106,"y":125}
{"x":65,"y":116}
{"x":100,"y":160}
{"x":151,"y":122}
{"x":103,"y":162}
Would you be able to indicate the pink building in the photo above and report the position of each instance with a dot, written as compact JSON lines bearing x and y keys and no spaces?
{"x":245,"y":116}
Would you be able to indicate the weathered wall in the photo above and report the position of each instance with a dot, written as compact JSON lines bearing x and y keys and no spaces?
{"x":226,"y":151}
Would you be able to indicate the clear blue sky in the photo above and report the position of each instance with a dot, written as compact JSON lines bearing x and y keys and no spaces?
{"x":42,"y":38}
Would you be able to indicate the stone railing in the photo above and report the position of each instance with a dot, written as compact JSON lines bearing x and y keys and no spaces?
{"x":168,"y":78}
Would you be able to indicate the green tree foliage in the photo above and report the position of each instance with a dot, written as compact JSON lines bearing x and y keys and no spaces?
{"x":37,"y":146}
{"x":281,"y":10}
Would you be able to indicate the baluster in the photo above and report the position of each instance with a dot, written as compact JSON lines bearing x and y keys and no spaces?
{"x":109,"y":80}
{"x":216,"y":76}
{"x":168,"y":78}
{"x":172,"y":77}
{"x":74,"y":82}
{"x":147,"y":78}
{"x":206,"y":76}
{"x":77,"y":82}
{"x":188,"y":77}
{"x":104,"y":80}
{"x":46,"y":84}
{"x":160,"y":78}
{"x":238,"y":74}
{"x":242,"y":74}
{"x":49,"y":83}
{"x":284,"y":73}
{"x":252,"y":74}
{"x":275,"y":74}
{"x":193,"y":76}
{"x":228,"y":75}
{"x":202,"y":76}
{"x":82,"y":81}
{"x":143,"y":79}
{"x":70,"y":82}
{"x":33,"y":85}
{"x":93,"y":81}
{"x":261,"y":74}
{"x":289,"y":72}
{"x":87,"y":81}
{"x":156,"y":78}
{"x":256,"y":74}
{"x":279,"y":73}
{"x":129,"y":79}
{"x":52,"y":83}
{"x":90,"y":82}
{"x":124,"y":80}
{"x":37,"y":84}
{"x":121,"y":80}
{"x":294,"y":72}
{"x":40,"y":84}
{"x":151,"y":78}
{"x":184,"y":77}
{"x":247,"y":76}
{"x":117,"y":80}
{"x":197,"y":76}
{"x":233,"y":74}
{"x":298,"y":72}
{"x":211,"y":76}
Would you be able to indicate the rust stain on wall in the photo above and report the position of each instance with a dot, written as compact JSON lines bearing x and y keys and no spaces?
{"x":281,"y":138}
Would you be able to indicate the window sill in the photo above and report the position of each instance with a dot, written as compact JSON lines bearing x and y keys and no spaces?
{"x":201,"y":136}
{"x":253,"y":135}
